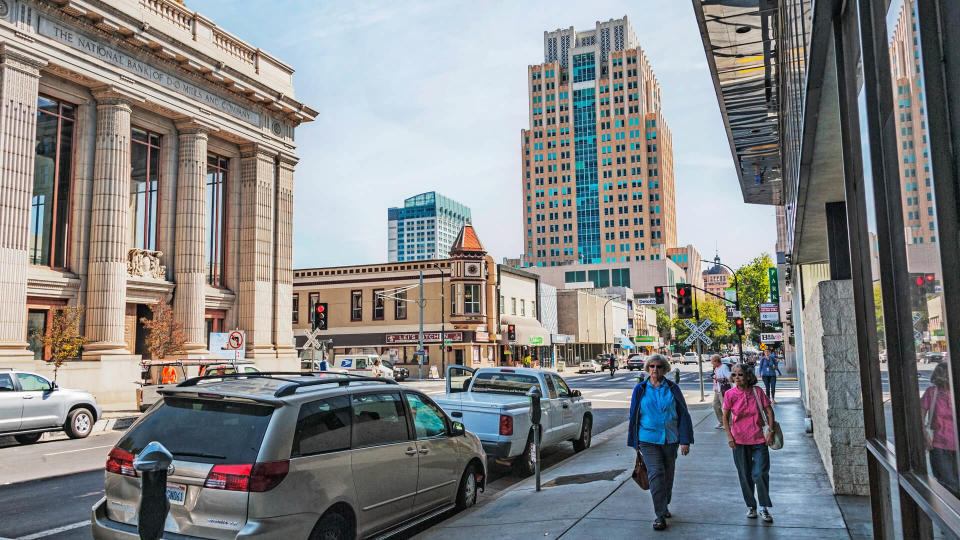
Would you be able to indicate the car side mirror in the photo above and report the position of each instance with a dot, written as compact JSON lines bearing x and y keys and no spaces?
{"x":54,"y":386}
{"x":576,"y":393}
{"x":457,"y":429}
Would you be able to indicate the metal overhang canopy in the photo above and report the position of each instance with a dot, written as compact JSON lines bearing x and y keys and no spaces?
{"x":739,"y":39}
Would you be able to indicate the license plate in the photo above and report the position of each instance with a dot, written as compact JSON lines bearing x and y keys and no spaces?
{"x":176,"y":494}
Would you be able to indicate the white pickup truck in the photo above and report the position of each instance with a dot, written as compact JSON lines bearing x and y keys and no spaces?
{"x":492,"y":403}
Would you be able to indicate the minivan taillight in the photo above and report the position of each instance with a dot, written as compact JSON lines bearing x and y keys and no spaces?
{"x":258,"y":477}
{"x":506,"y":425}
{"x":119,"y":461}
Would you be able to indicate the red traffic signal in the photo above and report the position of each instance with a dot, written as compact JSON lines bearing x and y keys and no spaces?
{"x":681,"y":291}
{"x":320,"y":309}
{"x":738,"y":324}
{"x":449,"y":348}
{"x":511,"y":332}
{"x":930,"y":278}
{"x":919,"y":280}
{"x":320,"y":316}
{"x":658,"y":294}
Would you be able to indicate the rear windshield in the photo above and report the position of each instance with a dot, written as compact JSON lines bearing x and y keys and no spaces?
{"x":202,"y":431}
{"x":504,"y":383}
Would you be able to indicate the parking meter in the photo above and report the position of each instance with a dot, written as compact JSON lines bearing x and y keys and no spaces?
{"x":676,"y":375}
{"x":152,"y":463}
{"x":535,"y":413}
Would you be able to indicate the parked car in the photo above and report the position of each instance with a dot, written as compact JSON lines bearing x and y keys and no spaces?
{"x":689,"y":357}
{"x":676,"y":358}
{"x":492,"y":403}
{"x":605,"y":359}
{"x":731,"y":360}
{"x":31,"y":405}
{"x":635,"y":362}
{"x":934,"y":356}
{"x":591,"y":366}
{"x":180,"y":370}
{"x":310,"y":456}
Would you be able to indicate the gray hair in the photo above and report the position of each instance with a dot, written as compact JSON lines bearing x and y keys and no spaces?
{"x":658,"y":358}
{"x":717,"y":358}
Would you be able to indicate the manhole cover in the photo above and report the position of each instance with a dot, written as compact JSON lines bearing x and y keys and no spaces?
{"x":584,"y":478}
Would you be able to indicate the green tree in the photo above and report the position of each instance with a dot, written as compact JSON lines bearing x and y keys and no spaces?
{"x":164,"y":333}
{"x":754,"y":285}
{"x":663,"y":322}
{"x":63,"y":339}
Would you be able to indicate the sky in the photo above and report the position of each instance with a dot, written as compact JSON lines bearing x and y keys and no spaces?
{"x":418,"y":96}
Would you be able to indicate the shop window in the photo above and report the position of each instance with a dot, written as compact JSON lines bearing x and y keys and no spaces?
{"x":144,"y":179}
{"x":53,"y":169}
{"x":216,"y":247}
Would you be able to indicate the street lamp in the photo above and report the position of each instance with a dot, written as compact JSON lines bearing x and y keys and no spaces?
{"x":443,"y":322}
{"x":605,"y":323}
{"x":736,"y":287}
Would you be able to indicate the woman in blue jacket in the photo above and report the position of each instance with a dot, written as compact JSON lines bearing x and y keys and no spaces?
{"x":659,"y":425}
{"x":769,"y":370}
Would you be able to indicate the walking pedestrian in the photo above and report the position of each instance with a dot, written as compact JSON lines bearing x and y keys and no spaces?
{"x":742,"y":422}
{"x":660,"y":424}
{"x":721,"y":383}
{"x":769,"y":370}
{"x":936,"y":405}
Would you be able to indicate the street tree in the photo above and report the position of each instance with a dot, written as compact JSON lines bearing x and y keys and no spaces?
{"x":708,"y":309}
{"x":754,"y":284}
{"x":163,"y":333}
{"x":63,"y":339}
{"x":663,"y":322}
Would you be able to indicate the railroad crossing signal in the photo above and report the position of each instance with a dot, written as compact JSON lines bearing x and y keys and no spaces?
{"x":698,"y":332}
{"x":313,"y":340}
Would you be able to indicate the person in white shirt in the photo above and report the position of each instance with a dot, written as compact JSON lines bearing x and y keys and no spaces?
{"x":721,"y":383}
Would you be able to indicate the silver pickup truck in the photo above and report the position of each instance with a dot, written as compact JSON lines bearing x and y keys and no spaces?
{"x":492,"y":403}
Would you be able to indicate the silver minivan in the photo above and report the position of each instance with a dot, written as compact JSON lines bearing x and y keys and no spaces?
{"x":279,"y":456}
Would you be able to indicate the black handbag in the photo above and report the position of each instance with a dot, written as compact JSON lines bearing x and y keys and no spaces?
{"x":640,"y":475}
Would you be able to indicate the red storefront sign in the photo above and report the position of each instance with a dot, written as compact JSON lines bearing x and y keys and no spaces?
{"x":428,"y":337}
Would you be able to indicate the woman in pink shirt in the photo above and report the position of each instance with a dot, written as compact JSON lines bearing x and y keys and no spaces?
{"x":745,"y":435}
{"x":942,"y":446}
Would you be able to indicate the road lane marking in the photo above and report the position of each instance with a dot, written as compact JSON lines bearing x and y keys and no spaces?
{"x":608,"y":400}
{"x":78,"y":450}
{"x":608,"y":394}
{"x":58,"y":530}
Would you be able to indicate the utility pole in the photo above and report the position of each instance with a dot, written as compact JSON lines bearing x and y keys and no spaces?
{"x":420,"y":339}
{"x":443,"y":322}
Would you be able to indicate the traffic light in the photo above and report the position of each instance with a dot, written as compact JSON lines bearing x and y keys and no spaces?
{"x":684,"y":301}
{"x":320,"y":316}
{"x":511,"y":332}
{"x":658,"y":293}
{"x":449,"y":348}
{"x":930,"y":283}
{"x":738,"y":324}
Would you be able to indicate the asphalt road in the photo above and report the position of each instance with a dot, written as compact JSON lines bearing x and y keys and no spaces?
{"x":49,"y":487}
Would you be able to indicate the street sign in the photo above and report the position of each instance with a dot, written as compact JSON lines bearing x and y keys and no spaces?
{"x":771,"y":337}
{"x":447,"y":341}
{"x":736,"y":313}
{"x":235,"y":340}
{"x":774,"y":285}
{"x":312,"y":341}
{"x":916,"y":317}
{"x":770,"y":312}
{"x":536,"y":340}
{"x":646,"y":301}
{"x":697,"y":332}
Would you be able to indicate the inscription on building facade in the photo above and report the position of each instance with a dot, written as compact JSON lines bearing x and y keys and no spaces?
{"x":111,"y":55}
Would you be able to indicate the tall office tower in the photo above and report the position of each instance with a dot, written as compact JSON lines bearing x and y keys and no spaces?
{"x":598,"y":156}
{"x":424,"y":228}
{"x":911,"y":126}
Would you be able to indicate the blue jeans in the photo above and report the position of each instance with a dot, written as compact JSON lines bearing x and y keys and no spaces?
{"x":660,"y":460}
{"x":944,"y":465}
{"x":770,"y":381}
{"x":753,"y":468}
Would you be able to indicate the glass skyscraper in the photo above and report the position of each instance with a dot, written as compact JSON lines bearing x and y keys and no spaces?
{"x":424,"y":227}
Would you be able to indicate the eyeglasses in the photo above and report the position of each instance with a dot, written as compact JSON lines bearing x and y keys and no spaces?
{"x":657,"y":366}
{"x":737,"y":375}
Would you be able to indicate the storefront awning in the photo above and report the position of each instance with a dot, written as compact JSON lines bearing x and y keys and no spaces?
{"x":625,"y":343}
{"x":529,"y":331}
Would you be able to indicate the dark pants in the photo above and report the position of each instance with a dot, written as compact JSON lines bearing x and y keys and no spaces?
{"x":944,"y":465}
{"x":753,"y":468}
{"x":660,"y":460}
{"x":770,"y":382}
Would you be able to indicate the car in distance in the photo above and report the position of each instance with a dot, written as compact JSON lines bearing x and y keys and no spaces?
{"x":689,"y":357}
{"x":31,"y":405}
{"x":318,"y":455}
{"x":635,"y":362}
{"x":676,"y":358}
{"x":589,"y":365}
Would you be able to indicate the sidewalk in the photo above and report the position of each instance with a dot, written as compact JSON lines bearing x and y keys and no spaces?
{"x":591,"y":495}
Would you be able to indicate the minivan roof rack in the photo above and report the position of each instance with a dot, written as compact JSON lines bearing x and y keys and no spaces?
{"x":322,"y":377}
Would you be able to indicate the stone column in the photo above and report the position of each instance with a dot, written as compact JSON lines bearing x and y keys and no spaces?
{"x":255,"y":290}
{"x":189,"y":301}
{"x":19,"y":79}
{"x":283,"y":263}
{"x":109,"y":223}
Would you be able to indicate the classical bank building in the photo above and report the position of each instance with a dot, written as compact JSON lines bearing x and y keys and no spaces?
{"x":145,"y":153}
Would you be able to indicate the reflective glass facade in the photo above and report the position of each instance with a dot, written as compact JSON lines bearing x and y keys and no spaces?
{"x":588,"y":199}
